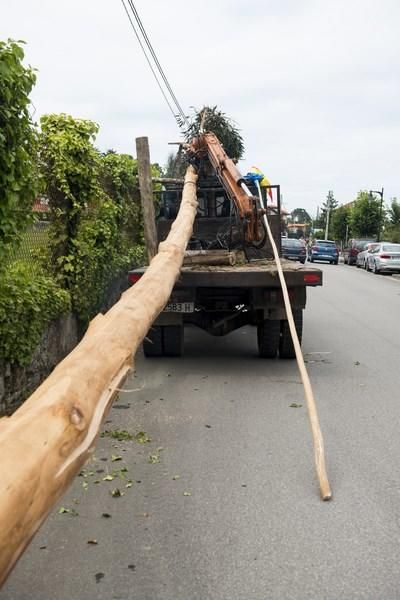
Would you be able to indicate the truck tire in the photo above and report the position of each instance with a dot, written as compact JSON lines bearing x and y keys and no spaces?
{"x":268,"y":334}
{"x":152,"y":344}
{"x":173,"y":340}
{"x":286,"y":348}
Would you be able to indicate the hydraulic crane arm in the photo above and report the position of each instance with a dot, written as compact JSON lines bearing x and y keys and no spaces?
{"x":208,"y":146}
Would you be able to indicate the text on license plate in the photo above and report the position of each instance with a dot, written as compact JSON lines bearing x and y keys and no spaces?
{"x":179,"y":307}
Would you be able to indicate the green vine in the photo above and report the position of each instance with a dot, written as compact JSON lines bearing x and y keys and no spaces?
{"x":120,"y":182}
{"x":17,"y":146}
{"x":29,"y":300}
{"x":96,"y":231}
{"x":99,"y":259}
{"x":69,"y":166}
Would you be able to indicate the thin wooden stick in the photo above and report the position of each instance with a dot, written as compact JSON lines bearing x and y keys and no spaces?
{"x":318,"y":441}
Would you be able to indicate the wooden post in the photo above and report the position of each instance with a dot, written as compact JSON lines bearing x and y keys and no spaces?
{"x":146,"y":195}
{"x":46,"y":441}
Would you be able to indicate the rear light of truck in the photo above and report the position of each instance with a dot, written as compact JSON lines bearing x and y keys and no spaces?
{"x":134,"y":277}
{"x":312,"y":278}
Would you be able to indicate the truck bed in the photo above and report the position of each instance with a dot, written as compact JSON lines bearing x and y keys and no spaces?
{"x":258,"y":273}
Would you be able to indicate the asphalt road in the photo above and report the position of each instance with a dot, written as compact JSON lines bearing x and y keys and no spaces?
{"x":223,"y":503}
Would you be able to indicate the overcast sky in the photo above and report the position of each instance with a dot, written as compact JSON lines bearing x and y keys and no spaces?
{"x":314,"y":85}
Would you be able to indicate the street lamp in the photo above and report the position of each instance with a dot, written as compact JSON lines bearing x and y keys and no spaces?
{"x":380,"y":210}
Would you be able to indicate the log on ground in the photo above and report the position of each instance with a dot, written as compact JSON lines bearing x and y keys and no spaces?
{"x":45,"y":442}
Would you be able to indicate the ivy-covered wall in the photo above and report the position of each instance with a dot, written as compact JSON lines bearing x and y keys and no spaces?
{"x":93,"y":234}
{"x":17,"y":382}
{"x":57,"y":338}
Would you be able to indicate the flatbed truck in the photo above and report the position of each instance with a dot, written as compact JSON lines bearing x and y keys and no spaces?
{"x":224,"y":297}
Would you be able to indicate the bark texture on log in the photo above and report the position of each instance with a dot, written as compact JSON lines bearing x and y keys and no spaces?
{"x":177,"y":180}
{"x":212,"y":257}
{"x":46,"y":442}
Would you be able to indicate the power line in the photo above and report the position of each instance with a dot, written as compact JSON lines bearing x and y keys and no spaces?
{"x":148,"y":60}
{"x":156,"y":62}
{"x":160,"y":69}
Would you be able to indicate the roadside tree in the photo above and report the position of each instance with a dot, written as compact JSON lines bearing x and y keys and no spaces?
{"x":392,"y":226}
{"x":300,"y":222}
{"x":330,"y":205}
{"x":340,"y":223}
{"x":394,"y":212}
{"x":300,"y":215}
{"x":176,"y":165}
{"x":365,"y":215}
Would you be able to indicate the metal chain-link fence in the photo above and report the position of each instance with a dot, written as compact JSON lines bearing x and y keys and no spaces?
{"x":33,"y":244}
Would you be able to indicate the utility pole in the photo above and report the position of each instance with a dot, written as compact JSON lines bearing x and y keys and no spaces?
{"x":328,"y":210}
{"x":329,"y":206}
{"x":380,"y":193}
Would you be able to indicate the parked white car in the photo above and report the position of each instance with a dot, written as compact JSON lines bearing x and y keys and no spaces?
{"x":385,"y":258}
{"x":361,"y":259}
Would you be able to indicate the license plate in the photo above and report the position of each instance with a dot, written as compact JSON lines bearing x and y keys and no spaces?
{"x":179,"y":307}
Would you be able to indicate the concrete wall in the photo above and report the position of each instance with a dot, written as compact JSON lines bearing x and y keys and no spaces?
{"x":59,"y":338}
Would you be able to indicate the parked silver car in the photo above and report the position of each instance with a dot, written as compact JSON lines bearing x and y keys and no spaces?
{"x":361,"y":258}
{"x":385,"y":258}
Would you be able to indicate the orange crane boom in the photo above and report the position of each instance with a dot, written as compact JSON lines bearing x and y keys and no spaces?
{"x":209,"y":146}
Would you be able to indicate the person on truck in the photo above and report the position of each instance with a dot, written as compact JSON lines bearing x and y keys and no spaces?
{"x":256,"y":175}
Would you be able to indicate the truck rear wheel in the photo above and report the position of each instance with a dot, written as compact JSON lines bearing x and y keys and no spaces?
{"x":268,"y":334}
{"x":286,"y":348}
{"x":173,"y":340}
{"x":152,"y":344}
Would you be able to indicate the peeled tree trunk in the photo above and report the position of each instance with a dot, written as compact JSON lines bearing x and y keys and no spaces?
{"x":44,"y":444}
{"x":213,"y":257}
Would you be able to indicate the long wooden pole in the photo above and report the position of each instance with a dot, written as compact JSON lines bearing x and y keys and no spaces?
{"x":318,"y":442}
{"x":46,"y":441}
{"x":146,"y":195}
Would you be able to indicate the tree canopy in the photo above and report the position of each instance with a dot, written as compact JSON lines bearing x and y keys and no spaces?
{"x":300,"y":215}
{"x":210,"y":118}
{"x":330,"y":204}
{"x":340,"y":222}
{"x":394,"y":212}
{"x":365,"y":215}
